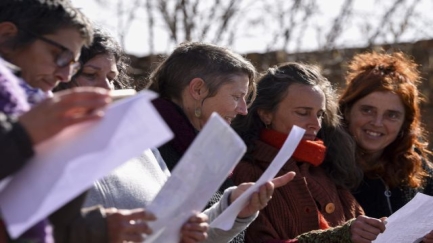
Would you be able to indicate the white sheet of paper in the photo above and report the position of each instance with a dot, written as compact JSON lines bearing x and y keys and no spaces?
{"x":203,"y":168}
{"x":70,"y":162}
{"x":226,"y":220}
{"x":410,"y":223}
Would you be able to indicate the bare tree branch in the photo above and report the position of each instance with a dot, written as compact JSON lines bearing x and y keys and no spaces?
{"x":150,"y":25}
{"x":405,"y":23}
{"x":339,"y":21}
{"x":385,"y":19}
{"x":226,"y":17}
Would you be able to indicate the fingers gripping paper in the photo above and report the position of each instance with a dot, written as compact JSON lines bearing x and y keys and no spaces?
{"x":204,"y":167}
{"x":226,"y":220}
{"x":70,"y":162}
{"x":410,"y":223}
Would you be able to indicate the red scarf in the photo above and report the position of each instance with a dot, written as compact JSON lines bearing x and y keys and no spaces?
{"x":309,"y":151}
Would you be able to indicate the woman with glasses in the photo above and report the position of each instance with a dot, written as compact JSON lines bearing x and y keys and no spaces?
{"x":43,"y":39}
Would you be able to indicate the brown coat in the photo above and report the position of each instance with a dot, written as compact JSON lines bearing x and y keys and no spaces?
{"x":294,"y":207}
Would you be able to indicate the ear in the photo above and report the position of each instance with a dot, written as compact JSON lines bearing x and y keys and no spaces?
{"x":7,"y":31}
{"x":346,"y":116}
{"x":197,"y":88}
{"x":265,"y":116}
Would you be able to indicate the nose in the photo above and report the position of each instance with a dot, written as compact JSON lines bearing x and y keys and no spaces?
{"x":242,"y":108}
{"x":315,"y":123}
{"x":104,"y":83}
{"x":377,"y":120}
{"x":64,"y":74}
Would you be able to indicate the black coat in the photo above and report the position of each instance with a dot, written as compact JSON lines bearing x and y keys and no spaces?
{"x":371,"y":195}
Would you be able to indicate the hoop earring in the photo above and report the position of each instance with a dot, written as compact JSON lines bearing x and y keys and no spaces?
{"x":197,"y":112}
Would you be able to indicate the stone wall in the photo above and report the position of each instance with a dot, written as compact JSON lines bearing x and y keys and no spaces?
{"x":333,"y":64}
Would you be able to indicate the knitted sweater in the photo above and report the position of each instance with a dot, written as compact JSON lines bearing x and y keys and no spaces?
{"x":136,"y":183}
{"x":294,"y":207}
{"x":132,"y":185}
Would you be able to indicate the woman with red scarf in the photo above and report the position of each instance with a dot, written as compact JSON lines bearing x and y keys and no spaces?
{"x":317,"y":205}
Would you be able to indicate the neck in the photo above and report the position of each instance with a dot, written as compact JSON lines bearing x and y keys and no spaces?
{"x":188,"y":106}
{"x":369,"y":156}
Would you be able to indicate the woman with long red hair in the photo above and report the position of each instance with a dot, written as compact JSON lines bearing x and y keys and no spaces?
{"x":380,"y":108}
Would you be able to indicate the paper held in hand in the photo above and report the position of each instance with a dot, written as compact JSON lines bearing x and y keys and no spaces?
{"x":69,"y":163}
{"x":203,"y":168}
{"x":226,"y":220}
{"x":410,"y":223}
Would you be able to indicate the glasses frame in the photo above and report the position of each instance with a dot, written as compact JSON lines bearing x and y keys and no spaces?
{"x":65,"y":58}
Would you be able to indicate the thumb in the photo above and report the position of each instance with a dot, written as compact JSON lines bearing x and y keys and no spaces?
{"x":284,"y":179}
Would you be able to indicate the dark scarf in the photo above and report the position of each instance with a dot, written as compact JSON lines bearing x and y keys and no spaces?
{"x":309,"y":151}
{"x":173,"y":115}
{"x":184,"y":135}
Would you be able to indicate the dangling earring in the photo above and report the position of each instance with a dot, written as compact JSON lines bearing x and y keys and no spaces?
{"x":267,"y":125}
{"x":197,"y":112}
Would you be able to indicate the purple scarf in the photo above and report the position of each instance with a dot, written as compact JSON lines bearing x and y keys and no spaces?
{"x":14,"y":101}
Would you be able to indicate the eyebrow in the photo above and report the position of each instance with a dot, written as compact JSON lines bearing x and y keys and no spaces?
{"x":370,"y":106}
{"x":307,"y":108}
{"x":98,"y":68}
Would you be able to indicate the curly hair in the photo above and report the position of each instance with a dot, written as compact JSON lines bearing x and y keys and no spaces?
{"x":103,"y":43}
{"x":272,"y":88}
{"x":402,"y":160}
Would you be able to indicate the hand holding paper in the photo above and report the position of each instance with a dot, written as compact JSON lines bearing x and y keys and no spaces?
{"x":259,"y":199}
{"x":68,"y":163}
{"x":411,"y":223}
{"x":203,"y":168}
{"x":226,"y":220}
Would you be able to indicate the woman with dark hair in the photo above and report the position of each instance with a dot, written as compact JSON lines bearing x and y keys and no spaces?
{"x":103,"y":64}
{"x":380,"y":108}
{"x":130,"y":188}
{"x":196,"y":80}
{"x":317,"y":205}
{"x":41,"y":41}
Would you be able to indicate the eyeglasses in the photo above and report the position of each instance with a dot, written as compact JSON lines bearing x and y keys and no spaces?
{"x":65,"y":58}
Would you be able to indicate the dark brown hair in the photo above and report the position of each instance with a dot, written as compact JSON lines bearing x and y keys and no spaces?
{"x":214,"y":64}
{"x":43,"y":17}
{"x":272,"y":87}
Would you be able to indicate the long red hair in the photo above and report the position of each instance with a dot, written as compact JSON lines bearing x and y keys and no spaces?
{"x":401,"y":161}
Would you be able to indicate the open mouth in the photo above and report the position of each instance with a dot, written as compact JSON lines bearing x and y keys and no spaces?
{"x":373,"y":134}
